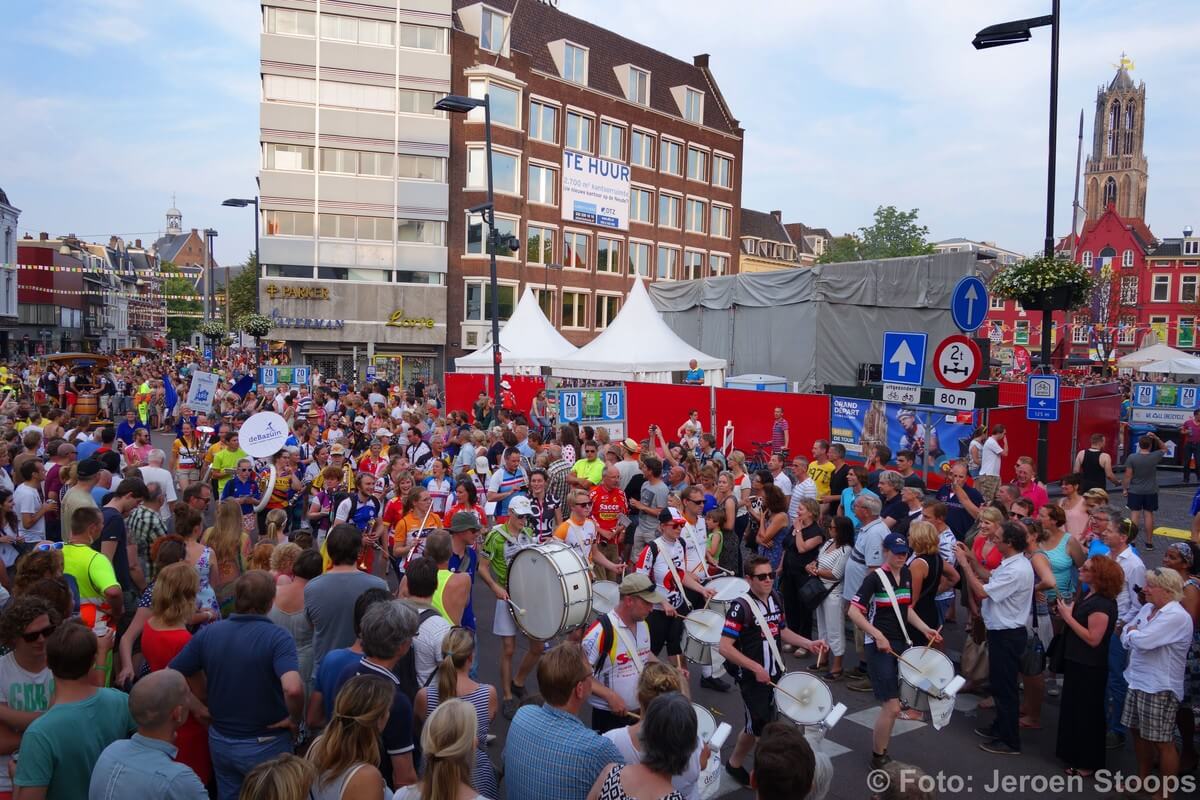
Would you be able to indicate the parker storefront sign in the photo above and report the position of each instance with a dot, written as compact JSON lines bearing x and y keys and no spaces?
{"x":398,"y":320}
{"x":280,"y":321}
{"x":297,"y":292}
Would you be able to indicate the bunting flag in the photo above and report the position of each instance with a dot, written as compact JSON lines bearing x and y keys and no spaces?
{"x":111,"y":293}
{"x":105,"y":270}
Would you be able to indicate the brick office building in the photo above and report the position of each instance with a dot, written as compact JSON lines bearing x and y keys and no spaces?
{"x":560,"y":84}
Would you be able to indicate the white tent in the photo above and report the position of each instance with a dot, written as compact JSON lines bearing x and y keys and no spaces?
{"x":1174,"y":366}
{"x":1148,"y":355}
{"x":528,"y":342}
{"x":638,"y":345}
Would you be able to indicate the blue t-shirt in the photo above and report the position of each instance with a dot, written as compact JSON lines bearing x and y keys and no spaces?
{"x":125,"y":431}
{"x":398,"y":731}
{"x":694,"y":375}
{"x":243,"y":659}
{"x":329,"y":675}
{"x":236,"y":487}
{"x":86,"y":449}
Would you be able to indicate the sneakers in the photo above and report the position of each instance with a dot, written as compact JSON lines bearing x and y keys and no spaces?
{"x":509,"y":707}
{"x":999,"y":748}
{"x":986,"y":733}
{"x":1052,"y":688}
{"x":857,"y":672}
{"x":739,"y":774}
{"x":716,"y":684}
{"x":1114,"y":740}
{"x":860,"y":685}
{"x":518,"y":691}
{"x":490,"y":739}
{"x":880,"y":760}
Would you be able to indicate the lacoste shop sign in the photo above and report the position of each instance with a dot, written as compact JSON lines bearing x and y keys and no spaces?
{"x":398,"y":320}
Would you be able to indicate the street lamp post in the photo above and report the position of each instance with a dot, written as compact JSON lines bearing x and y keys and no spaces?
{"x":459,"y":104}
{"x":1013,"y":33}
{"x":237,"y":202}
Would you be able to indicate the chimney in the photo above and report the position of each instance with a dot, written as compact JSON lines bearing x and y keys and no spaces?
{"x":1187,"y":232}
{"x":137,"y":243}
{"x":701,"y":61}
{"x":43,"y":237}
{"x":196,"y":231}
{"x":778,"y":215}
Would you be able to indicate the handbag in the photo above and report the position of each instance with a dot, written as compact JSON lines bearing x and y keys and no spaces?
{"x":1033,"y":659}
{"x":813,"y":592}
{"x":1056,"y":654}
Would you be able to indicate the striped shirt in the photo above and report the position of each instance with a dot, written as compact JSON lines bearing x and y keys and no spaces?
{"x":873,"y":600}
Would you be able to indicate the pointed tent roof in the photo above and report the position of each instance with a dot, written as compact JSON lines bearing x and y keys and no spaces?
{"x":1151,"y":354}
{"x":528,"y":342}
{"x":638,"y":341}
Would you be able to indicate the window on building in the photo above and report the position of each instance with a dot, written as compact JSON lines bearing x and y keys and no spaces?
{"x":1021,"y":332}
{"x":543,"y":184}
{"x":612,"y":141}
{"x":697,"y":215}
{"x":539,"y":245}
{"x":575,"y":250}
{"x":697,"y":164}
{"x":338,"y":28}
{"x":543,"y":122}
{"x":505,"y":102}
{"x":422,"y":37}
{"x":693,"y":265}
{"x":285,"y":89}
{"x":477,"y":302}
{"x":506,"y":169}
{"x":670,"y":155}
{"x":1129,"y":290}
{"x":995,"y":303}
{"x":693,"y":105}
{"x":375,"y":229}
{"x":607,"y":306}
{"x":1161,"y":289}
{"x":414,"y":101}
{"x":1130,"y":118}
{"x":718,"y":265}
{"x":722,"y":171}
{"x":288,"y":223}
{"x":1087,"y":259}
{"x":639,"y":86}
{"x":421,"y":231}
{"x":668,"y":263}
{"x":1080,"y":330}
{"x":335,"y":160}
{"x":575,"y":63}
{"x":545,"y":300}
{"x":641,"y":203}
{"x":1110,"y":192}
{"x":608,"y":254}
{"x":287,"y":22}
{"x":338,"y":226}
{"x":641,"y":149}
{"x":749,"y":245}
{"x":1126,"y":328}
{"x":421,"y":168}
{"x":719,"y":225}
{"x":1187,"y":288}
{"x":1159,"y":326}
{"x":1185,"y":333}
{"x":491,"y":31}
{"x":579,"y":132}
{"x":378,"y":165}
{"x":574,"y":310}
{"x":360,"y":96}
{"x":639,"y":259}
{"x":477,"y":235}
{"x":1191,"y":247}
{"x":360,"y":31}
{"x":1127,"y":259}
{"x":289,"y":157}
{"x":668,"y":210}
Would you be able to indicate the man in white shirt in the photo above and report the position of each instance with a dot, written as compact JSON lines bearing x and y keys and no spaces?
{"x":995,"y":448}
{"x":1128,"y":605}
{"x":1005,"y":603}
{"x":865,"y":555}
{"x":618,"y":651}
{"x":775,"y":464}
{"x":805,"y":488}
{"x":153,"y":472}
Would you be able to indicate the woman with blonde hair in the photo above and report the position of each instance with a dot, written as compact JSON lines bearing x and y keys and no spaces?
{"x":276,"y":529}
{"x":346,"y":755}
{"x":452,"y":680}
{"x":231,"y":549}
{"x":283,"y":561}
{"x":450,"y":743}
{"x":285,"y":777}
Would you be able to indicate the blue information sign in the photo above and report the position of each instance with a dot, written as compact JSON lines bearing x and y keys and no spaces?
{"x":1041,"y":398}
{"x":904,"y":357}
{"x":969,"y":303}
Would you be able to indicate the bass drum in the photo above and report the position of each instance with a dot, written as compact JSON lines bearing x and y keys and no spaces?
{"x":550,"y":589}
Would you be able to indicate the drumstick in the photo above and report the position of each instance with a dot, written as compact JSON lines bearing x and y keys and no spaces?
{"x":936,"y":634}
{"x":517,"y":608}
{"x":785,"y":691}
{"x":820,"y":655}
{"x":907,"y":663}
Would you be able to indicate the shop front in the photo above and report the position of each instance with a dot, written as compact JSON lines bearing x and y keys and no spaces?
{"x":348,"y":329}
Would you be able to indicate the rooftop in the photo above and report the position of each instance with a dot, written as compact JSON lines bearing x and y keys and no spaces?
{"x":763,"y":225}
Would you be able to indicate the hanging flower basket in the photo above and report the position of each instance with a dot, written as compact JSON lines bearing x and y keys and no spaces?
{"x":256,"y":325}
{"x":212,"y":330}
{"x":1044,"y":284}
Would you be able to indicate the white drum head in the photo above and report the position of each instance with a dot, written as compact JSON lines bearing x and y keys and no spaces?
{"x":204,"y":429}
{"x":929,"y":667}
{"x":727,"y":587}
{"x":805,"y":699}
{"x":606,"y":595}
{"x":540,"y":581}
{"x":704,"y":625}
{"x":706,"y":723}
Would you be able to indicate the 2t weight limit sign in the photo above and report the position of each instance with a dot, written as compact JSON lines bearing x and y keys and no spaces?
{"x":957,"y":362}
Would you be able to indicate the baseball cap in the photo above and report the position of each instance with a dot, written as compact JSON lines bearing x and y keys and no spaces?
{"x":520,"y":506}
{"x":631,"y":446}
{"x":505,"y":385}
{"x":338,"y":449}
{"x":464,"y":521}
{"x":481,"y":465}
{"x":383,"y":433}
{"x":640,"y":586}
{"x":88,"y":468}
{"x":671,"y":516}
{"x":895,"y":543}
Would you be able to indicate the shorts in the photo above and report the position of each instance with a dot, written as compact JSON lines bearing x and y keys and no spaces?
{"x":759,"y":699}
{"x":665,"y":630}
{"x":503,"y":623}
{"x":1153,"y":715}
{"x":884,"y":670}
{"x":1143,"y":502}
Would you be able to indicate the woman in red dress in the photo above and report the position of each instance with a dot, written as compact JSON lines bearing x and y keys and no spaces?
{"x":164,"y":635}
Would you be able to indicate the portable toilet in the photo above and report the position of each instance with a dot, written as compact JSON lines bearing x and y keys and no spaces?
{"x":758,"y":383}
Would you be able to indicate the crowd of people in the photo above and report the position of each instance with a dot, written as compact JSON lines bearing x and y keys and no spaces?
{"x":178,"y":624}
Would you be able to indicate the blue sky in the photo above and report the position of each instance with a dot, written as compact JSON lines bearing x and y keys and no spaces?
{"x":113,"y":105}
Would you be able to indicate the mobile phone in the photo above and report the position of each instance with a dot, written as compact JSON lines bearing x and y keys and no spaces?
{"x":719,"y":736}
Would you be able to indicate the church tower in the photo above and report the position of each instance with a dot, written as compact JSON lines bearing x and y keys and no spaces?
{"x":174,"y":219}
{"x":1116,"y":171}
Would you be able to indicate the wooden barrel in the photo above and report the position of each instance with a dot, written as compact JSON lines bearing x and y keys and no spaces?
{"x":87,"y":403}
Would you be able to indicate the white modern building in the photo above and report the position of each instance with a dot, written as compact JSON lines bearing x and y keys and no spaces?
{"x":985,"y":249}
{"x":8,"y":270}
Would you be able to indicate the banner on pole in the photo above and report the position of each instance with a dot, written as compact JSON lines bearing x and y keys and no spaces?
{"x":201,"y":392}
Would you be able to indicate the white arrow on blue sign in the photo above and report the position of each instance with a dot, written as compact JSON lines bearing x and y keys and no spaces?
{"x":1041,"y":398}
{"x":969,"y":303}
{"x":904,"y":357}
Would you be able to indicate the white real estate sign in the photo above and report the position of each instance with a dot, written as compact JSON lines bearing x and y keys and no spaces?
{"x":595,"y":191}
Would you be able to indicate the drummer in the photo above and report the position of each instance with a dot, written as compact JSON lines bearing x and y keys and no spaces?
{"x":885,"y":614}
{"x":665,"y":561}
{"x":757,"y":666}
{"x":499,"y":546}
{"x":578,"y":531}
{"x":617,"y":646}
{"x":694,"y":537}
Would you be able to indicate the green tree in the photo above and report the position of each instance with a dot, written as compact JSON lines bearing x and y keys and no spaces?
{"x":243,"y":289}
{"x":894,"y":234}
{"x":181,"y":327}
{"x":842,"y":248}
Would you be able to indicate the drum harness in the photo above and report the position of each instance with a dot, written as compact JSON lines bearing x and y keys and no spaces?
{"x":674,"y":573}
{"x":887,"y":587}
{"x":752,"y":602}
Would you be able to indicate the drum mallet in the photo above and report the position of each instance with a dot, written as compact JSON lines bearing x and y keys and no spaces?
{"x":936,"y":634}
{"x":517,"y":608}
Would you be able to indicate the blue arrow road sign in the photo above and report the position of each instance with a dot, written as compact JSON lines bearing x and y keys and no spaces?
{"x":1041,"y":398}
{"x":969,"y":303}
{"x":904,"y":357}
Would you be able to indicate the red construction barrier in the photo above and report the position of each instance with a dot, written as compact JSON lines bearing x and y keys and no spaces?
{"x":1067,"y":436}
{"x":463,"y":388}
{"x":666,"y":405}
{"x":753,"y":414}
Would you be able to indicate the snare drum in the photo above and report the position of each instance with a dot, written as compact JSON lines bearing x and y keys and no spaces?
{"x":702,"y":635}
{"x":606,"y":595}
{"x":803,"y":698}
{"x":550,"y":587}
{"x":728,"y":588}
{"x":930,"y":673}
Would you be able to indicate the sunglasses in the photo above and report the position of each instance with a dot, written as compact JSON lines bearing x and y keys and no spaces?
{"x":765,"y":576}
{"x":47,"y":546}
{"x":584,"y":505}
{"x":33,"y":636}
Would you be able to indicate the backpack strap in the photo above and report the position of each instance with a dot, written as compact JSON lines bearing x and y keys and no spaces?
{"x":606,"y":642}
